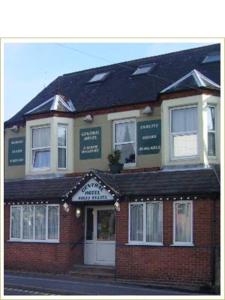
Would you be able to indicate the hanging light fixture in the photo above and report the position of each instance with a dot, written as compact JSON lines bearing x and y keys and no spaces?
{"x":117,"y":205}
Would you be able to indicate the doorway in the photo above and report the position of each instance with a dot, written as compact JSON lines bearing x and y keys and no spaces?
{"x":99,"y":248}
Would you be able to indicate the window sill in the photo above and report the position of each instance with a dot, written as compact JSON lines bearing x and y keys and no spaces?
{"x":182,"y":245}
{"x":31,"y":241}
{"x":145,"y":244}
{"x":129,"y":166}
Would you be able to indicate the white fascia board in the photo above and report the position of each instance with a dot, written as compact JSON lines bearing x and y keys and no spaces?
{"x":40,"y":105}
{"x":124,"y":115}
{"x":177,"y":82}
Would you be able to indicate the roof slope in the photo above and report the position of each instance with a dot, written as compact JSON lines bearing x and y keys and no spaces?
{"x":158,"y":183}
{"x":120,"y":87}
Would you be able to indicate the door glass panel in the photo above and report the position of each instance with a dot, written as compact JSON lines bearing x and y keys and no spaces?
{"x":105,"y":225}
{"x":89,"y":224}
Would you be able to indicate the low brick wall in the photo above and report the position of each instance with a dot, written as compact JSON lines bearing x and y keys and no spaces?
{"x":47,"y":257}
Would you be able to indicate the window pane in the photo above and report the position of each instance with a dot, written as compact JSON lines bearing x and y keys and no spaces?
{"x":53,"y":222}
{"x":211,"y":117}
{"x":127,"y":153}
{"x":106,"y":225}
{"x":28,"y":222}
{"x":61,"y":136}
{"x":41,"y":158}
{"x":41,"y":137}
{"x":184,"y":120}
{"x":154,"y":222}
{"x":183,"y":222}
{"x":125,"y":132}
{"x":40,"y":222}
{"x":61,"y":158}
{"x":136,"y":222}
{"x":185,"y":145}
{"x":89,"y":224}
{"x":15,"y":222}
{"x":211,"y":144}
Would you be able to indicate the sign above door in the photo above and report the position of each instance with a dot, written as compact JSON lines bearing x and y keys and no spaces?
{"x":92,"y":191}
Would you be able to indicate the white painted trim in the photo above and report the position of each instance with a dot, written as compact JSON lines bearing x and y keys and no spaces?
{"x":21,"y":225}
{"x":128,"y":165}
{"x":198,"y":78}
{"x":40,"y":105}
{"x":177,"y":243}
{"x":40,"y":148}
{"x":171,"y":148}
{"x":124,"y":114}
{"x":143,"y":242}
{"x":62,"y":147}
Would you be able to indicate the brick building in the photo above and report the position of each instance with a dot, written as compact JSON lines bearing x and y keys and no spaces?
{"x":159,"y":219}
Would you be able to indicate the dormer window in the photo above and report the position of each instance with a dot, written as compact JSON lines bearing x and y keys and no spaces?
{"x":144,"y":69}
{"x":99,"y":77}
{"x":212,"y":57}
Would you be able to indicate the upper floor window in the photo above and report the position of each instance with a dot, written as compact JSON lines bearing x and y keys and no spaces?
{"x":41,"y":147}
{"x":62,"y":146}
{"x":211,"y":131}
{"x":182,"y":222}
{"x":146,"y":223}
{"x":125,"y":140}
{"x":184,"y":132}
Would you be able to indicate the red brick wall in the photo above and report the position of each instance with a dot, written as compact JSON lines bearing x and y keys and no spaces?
{"x":168,"y":263}
{"x":49,"y":257}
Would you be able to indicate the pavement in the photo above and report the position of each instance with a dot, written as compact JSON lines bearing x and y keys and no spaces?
{"x":40,"y":284}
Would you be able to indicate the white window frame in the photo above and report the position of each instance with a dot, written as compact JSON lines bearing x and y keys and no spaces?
{"x":128,"y":165}
{"x":62,"y":147}
{"x":212,"y":131}
{"x":40,"y":148}
{"x":172,"y":157}
{"x":130,"y":242}
{"x":177,"y":243}
{"x":21,"y":239}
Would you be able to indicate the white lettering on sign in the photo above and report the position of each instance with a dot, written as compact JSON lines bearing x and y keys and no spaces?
{"x":92,"y":191}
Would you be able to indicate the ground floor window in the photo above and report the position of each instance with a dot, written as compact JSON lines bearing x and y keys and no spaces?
{"x":34,"y":222}
{"x":182,"y":223}
{"x":146,"y":223}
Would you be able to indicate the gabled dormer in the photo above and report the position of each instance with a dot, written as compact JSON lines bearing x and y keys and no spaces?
{"x":190,"y":121}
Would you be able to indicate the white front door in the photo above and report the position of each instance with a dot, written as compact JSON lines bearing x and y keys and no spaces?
{"x":99,"y":248}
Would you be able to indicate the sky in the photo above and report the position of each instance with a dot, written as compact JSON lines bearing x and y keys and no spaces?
{"x":29,"y":67}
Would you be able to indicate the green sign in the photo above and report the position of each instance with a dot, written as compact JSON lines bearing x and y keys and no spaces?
{"x":16,"y":151}
{"x":90,"y":143}
{"x":149,"y":137}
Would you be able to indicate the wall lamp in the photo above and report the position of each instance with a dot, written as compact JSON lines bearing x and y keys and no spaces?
{"x":117,"y":206}
{"x":147,"y":110}
{"x":78,"y":212}
{"x":88,"y":118}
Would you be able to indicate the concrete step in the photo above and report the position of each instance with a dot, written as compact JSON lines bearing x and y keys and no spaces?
{"x":95,"y":272}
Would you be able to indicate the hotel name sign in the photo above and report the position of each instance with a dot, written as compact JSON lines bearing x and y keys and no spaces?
{"x":92,"y":191}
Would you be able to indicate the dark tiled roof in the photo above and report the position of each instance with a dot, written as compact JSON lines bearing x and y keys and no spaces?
{"x":39,"y":189}
{"x":168,"y":183}
{"x":120,"y":87}
{"x":192,"y":80}
{"x":201,"y":181}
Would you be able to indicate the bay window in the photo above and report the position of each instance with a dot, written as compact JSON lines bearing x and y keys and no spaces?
{"x":182,"y":222}
{"x":146,"y":223}
{"x":41,"y":147}
{"x":62,"y":146}
{"x":125,"y":140}
{"x":211,"y":130}
{"x":184,"y":132}
{"x":34,"y":223}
